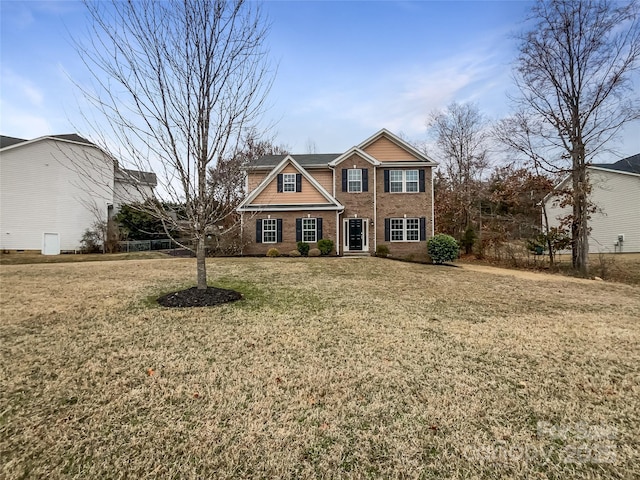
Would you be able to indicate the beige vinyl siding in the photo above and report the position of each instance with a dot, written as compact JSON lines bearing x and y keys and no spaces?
{"x":616,"y":198}
{"x":270,"y":194}
{"x":255,"y":179}
{"x":42,"y":192}
{"x":324,"y":177}
{"x":385,"y":150}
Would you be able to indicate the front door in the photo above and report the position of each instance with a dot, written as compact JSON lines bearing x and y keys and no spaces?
{"x":355,"y":234}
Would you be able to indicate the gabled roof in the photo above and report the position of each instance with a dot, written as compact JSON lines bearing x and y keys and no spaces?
{"x":124,"y":175}
{"x":12,"y":142}
{"x":8,"y":141}
{"x":304,"y":160}
{"x":357,"y":151}
{"x":630,"y":164}
{"x":245,"y":205}
{"x":399,"y":142}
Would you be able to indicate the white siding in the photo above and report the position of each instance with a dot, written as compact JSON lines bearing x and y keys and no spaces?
{"x":617,"y":199}
{"x":125,"y":193}
{"x":53,"y":187}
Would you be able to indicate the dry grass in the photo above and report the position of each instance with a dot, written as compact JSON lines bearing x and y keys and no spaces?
{"x":25,"y":258}
{"x":329,"y":368}
{"x":621,"y":268}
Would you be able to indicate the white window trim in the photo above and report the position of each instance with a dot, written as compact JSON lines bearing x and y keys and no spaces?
{"x":314,"y":230}
{"x":359,"y":170}
{"x":404,"y":180}
{"x":274,"y":222}
{"x":286,"y":176}
{"x":345,"y":235}
{"x":404,"y":230}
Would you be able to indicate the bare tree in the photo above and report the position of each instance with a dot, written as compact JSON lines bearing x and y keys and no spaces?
{"x":461,"y":135}
{"x":176,"y":85}
{"x":573,"y":73}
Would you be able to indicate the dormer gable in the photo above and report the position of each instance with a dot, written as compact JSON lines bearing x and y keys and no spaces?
{"x":287,"y":185}
{"x":385,"y":147}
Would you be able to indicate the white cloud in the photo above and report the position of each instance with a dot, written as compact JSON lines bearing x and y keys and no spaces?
{"x":22,"y":123}
{"x":403,"y":99}
{"x":20,"y":89}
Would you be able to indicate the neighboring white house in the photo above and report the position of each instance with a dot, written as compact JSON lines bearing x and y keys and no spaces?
{"x":53,"y":188}
{"x":615,"y":193}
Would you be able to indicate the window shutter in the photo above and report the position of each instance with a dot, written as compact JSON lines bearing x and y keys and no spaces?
{"x":387,"y":227}
{"x":298,"y":182}
{"x":365,"y":179}
{"x":318,"y":229}
{"x":279,"y":182}
{"x":421,"y":180}
{"x":386,"y":180}
{"x":258,"y":231}
{"x":298,"y":229}
{"x":344,"y":179}
{"x":423,"y":229}
{"x":279,"y":230}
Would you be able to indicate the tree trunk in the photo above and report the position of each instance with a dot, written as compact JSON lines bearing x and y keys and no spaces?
{"x":579,"y":227}
{"x":546,"y":231}
{"x":201,"y":265}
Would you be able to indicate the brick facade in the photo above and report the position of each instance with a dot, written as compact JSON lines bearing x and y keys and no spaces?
{"x":372,"y":205}
{"x":288,"y":230}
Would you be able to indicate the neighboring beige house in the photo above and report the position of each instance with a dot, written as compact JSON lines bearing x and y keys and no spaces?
{"x":377,"y":192}
{"x":53,"y":188}
{"x":615,"y":192}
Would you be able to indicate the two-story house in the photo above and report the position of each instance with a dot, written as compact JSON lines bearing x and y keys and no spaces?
{"x":378,"y":192}
{"x":53,"y":188}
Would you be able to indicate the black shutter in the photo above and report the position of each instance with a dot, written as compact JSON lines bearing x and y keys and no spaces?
{"x":279,"y":230}
{"x":423,"y":229}
{"x":387,"y":227}
{"x":386,"y":180}
{"x":318,"y":229}
{"x":298,"y":182}
{"x":344,"y":179}
{"x":365,"y":179}
{"x":298,"y":229}
{"x":279,"y":182}
{"x":421,"y":180}
{"x":258,"y":231}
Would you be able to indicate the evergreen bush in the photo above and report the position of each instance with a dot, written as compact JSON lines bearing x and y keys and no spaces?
{"x":442,"y":248}
{"x":325,"y":246}
{"x":303,"y":248}
{"x":382,"y":251}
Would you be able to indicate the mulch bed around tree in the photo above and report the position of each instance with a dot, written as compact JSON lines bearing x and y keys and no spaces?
{"x":192,"y":297}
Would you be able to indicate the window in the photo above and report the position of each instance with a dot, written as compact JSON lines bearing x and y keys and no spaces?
{"x":397,"y":229}
{"x":309,"y":230}
{"x":403,"y":230}
{"x":411,"y":180}
{"x":412,"y":229}
{"x":395,"y":180}
{"x":354,"y":176}
{"x":269,"y":230}
{"x":289,"y":182}
{"x":404,"y":181}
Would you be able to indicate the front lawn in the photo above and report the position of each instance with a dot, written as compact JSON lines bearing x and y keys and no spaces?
{"x":328,"y":368}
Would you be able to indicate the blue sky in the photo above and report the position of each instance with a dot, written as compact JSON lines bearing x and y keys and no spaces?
{"x":345,"y":69}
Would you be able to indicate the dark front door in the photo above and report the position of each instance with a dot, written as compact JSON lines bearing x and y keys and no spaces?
{"x":355,"y":234}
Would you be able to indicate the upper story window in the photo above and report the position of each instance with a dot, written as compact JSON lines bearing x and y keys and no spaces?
{"x":354,"y":179}
{"x":411,"y":180}
{"x":395,"y":180}
{"x":289,"y":182}
{"x":404,"y":181}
